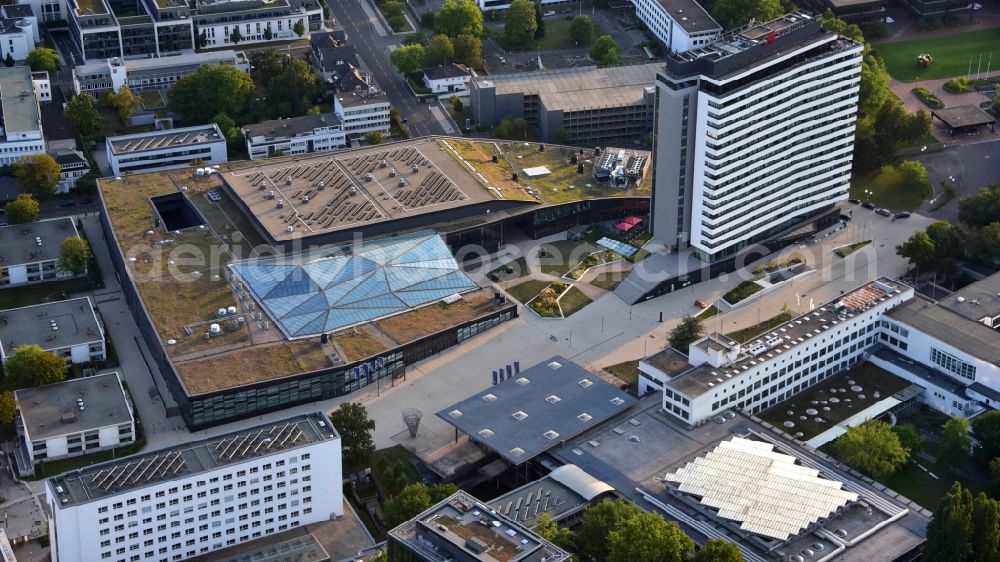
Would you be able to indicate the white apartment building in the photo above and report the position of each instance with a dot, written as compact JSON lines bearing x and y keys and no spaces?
{"x":298,"y":135}
{"x":199,"y":497}
{"x":74,"y":417}
{"x":30,"y":252}
{"x":362,"y":112}
{"x":157,"y":73}
{"x":69,"y":328}
{"x":170,"y":148}
{"x":21,"y":127}
{"x":754,"y":136}
{"x":721,"y":374}
{"x":681,"y":25}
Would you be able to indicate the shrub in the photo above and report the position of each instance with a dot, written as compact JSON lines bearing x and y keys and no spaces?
{"x":929,"y":99}
{"x":958,"y":85}
{"x":397,"y":22}
{"x":742,"y":291}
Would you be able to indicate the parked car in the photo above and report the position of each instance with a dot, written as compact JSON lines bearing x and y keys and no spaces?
{"x":902,"y":215}
{"x":549,"y":14}
{"x":884,"y":212}
{"x":854,"y":201}
{"x":868,"y":205}
{"x":68,"y":204}
{"x":845,"y":218}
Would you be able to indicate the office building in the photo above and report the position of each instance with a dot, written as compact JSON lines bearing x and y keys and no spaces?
{"x":297,"y":135}
{"x":199,"y":497}
{"x":42,"y":85}
{"x":755,"y":136}
{"x":461,"y":528}
{"x":680,"y":25}
{"x":590,"y":105}
{"x":941,"y":9}
{"x":363,"y":110}
{"x":851,"y":11}
{"x":21,"y":127}
{"x":69,"y":328}
{"x":157,"y":73}
{"x":42,"y":11}
{"x":359,"y":102}
{"x":721,"y":374}
{"x":29,"y":252}
{"x":447,"y":79}
{"x":564,"y":495}
{"x":18,"y":31}
{"x":72,"y":167}
{"x":170,"y":148}
{"x":74,"y":417}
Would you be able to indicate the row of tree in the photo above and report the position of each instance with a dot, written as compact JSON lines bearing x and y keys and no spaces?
{"x":880,"y":450}
{"x":411,"y":57}
{"x":964,"y":529}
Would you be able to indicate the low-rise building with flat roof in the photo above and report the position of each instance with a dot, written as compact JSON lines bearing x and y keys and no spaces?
{"x":594,"y":105}
{"x":681,"y":25}
{"x":297,"y":135}
{"x":171,"y":148}
{"x":851,"y":11}
{"x":461,"y":528}
{"x":20,"y":117}
{"x":68,"y":328}
{"x":564,"y":494}
{"x":964,"y":119}
{"x":29,"y":252}
{"x":74,"y":417}
{"x":156,"y":73}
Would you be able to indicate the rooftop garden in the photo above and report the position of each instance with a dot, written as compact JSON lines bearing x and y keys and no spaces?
{"x":500,"y":548}
{"x":250,"y":365}
{"x":89,"y":7}
{"x":426,"y":320}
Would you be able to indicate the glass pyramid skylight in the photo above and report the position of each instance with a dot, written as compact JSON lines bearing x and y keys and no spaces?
{"x":319,"y":291}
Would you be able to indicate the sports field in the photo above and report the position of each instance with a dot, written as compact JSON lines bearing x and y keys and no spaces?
{"x":951,"y":55}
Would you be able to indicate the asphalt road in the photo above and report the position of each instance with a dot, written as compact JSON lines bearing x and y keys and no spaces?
{"x":972,"y":165}
{"x":373,"y":49}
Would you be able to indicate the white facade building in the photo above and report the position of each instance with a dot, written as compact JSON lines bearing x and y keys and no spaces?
{"x":681,"y":25}
{"x":17,"y":35}
{"x":447,"y":79}
{"x":42,"y":85}
{"x":21,"y":128}
{"x":72,"y":167}
{"x":171,"y":148}
{"x":362,"y":113}
{"x":282,"y":27}
{"x":199,"y":497}
{"x":754,"y":135}
{"x":157,"y":73}
{"x":45,"y":10}
{"x":30,"y":252}
{"x":298,"y":135}
{"x":69,"y":328}
{"x":74,"y":417}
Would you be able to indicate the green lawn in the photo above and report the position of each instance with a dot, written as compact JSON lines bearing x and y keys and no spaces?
{"x":557,"y":34}
{"x":890,"y":191}
{"x":520,"y":267}
{"x":845,"y":251}
{"x":950,"y":52}
{"x":608,"y":280}
{"x":750,"y":332}
{"x":573,"y":301}
{"x":524,"y":292}
{"x":402,"y":456}
{"x":562,"y":256}
{"x":708,"y":312}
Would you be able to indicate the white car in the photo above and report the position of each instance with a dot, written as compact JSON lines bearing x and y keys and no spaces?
{"x":889,"y":20}
{"x":549,"y":14}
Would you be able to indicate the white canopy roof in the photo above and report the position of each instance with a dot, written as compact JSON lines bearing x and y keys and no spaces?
{"x":574,"y":478}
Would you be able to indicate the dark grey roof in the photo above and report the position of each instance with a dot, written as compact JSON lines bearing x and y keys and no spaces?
{"x":53,"y":325}
{"x":446,"y":71}
{"x":299,"y":549}
{"x":984,"y":390}
{"x":18,"y":11}
{"x":943,"y":323}
{"x":690,"y":16}
{"x":19,"y":244}
{"x":559,"y":399}
{"x":69,"y":157}
{"x":51,"y":410}
{"x":291,"y":127}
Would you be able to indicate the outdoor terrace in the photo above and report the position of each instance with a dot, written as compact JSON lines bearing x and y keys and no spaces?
{"x":90,"y":7}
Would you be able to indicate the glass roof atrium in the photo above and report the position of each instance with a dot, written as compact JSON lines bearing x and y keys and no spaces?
{"x":322,"y":291}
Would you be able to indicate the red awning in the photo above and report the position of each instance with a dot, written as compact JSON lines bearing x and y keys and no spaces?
{"x":624,"y":227}
{"x":631,"y":220}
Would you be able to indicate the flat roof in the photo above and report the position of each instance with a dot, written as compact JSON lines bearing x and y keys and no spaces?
{"x":18,"y":105}
{"x":536,"y":409}
{"x":303,"y":548}
{"x":564,"y":491}
{"x":669,"y":362}
{"x":157,"y":140}
{"x":291,"y":127}
{"x":50,"y":325}
{"x":159,"y":63}
{"x":690,"y":16}
{"x":963,"y":116}
{"x":977,"y":300}
{"x":54,"y":409}
{"x":99,"y":481}
{"x":444,"y":71}
{"x":949,"y":327}
{"x":463,"y":521}
{"x":576,"y":89}
{"x":780,"y":339}
{"x":19,"y":243}
{"x":352,"y":188}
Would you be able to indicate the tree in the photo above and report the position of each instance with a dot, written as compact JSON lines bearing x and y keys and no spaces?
{"x":950,"y":530}
{"x":22,"y":210}
{"x":649,"y":537}
{"x":581,"y":30}
{"x":456,"y":104}
{"x":914,"y":174}
{"x":293,"y":90}
{"x":31,"y":366}
{"x":202,"y":39}
{"x":605,"y":51}
{"x":375,"y":137}
{"x":985,"y":529}
{"x":458,"y":17}
{"x":209,"y":91}
{"x":685,"y":333}
{"x":427,"y":20}
{"x":124,"y":101}
{"x":872,"y":448}
{"x":874,"y":89}
{"x":7,"y":407}
{"x":985,"y":427}
{"x":511,"y":128}
{"x":519,"y":25}
{"x":597,"y":523}
{"x":981,"y":209}
{"x":919,"y":249}
{"x":955,"y":442}
{"x":235,"y":37}
{"x":995,"y":471}
{"x":81,"y":112}
{"x":440,"y":50}
{"x":43,"y":58}
{"x":393,"y":8}
{"x":233,"y":134}
{"x":268,"y":34}
{"x":539,"y":20}
{"x":405,"y":505}
{"x":564,"y":135}
{"x":909,"y":438}
{"x":8,"y":60}
{"x":737,"y":13}
{"x":554,"y":533}
{"x":355,"y":429}
{"x":299,"y":28}
{"x":265,"y":65}
{"x":74,"y":255}
{"x":948,"y":239}
{"x":37,"y":174}
{"x":408,"y":58}
{"x":719,"y":550}
{"x":468,"y":50}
